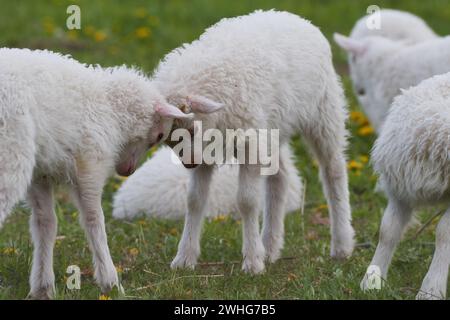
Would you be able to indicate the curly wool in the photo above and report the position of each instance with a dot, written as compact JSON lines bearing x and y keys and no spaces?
{"x":411,"y":154}
{"x":396,"y":25}
{"x":268,"y":70}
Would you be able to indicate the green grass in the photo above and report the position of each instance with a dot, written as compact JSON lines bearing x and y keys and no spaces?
{"x":143,"y":249}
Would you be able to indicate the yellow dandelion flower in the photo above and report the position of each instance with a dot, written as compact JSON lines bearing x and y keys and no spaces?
{"x":366,"y":130}
{"x":142,"y":32}
{"x":104,"y":297}
{"x":10,"y":251}
{"x":99,"y":36}
{"x":220,"y":218}
{"x":363,"y":158}
{"x":322,"y":207}
{"x":119,"y":269}
{"x":173,"y":231}
{"x":133,"y":251}
{"x":358,"y":117}
{"x":142,"y":222}
{"x":355,"y":165}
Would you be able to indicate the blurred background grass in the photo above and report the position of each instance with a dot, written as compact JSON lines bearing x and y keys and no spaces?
{"x":139,"y":33}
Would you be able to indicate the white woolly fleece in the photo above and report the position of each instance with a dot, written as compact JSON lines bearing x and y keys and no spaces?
{"x":269,"y":70}
{"x":396,"y":25}
{"x":411,"y":156}
{"x":412,"y":153}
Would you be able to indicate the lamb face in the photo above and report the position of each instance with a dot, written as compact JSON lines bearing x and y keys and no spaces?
{"x":368,"y":72}
{"x":141,"y":141}
{"x":195,"y":107}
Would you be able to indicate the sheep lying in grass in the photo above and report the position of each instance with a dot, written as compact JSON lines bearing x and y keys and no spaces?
{"x":64,"y":123}
{"x":395,"y":25}
{"x":159,"y":189}
{"x":382,"y":61}
{"x":381,"y":67}
{"x":266,"y":70}
{"x":411,"y":157}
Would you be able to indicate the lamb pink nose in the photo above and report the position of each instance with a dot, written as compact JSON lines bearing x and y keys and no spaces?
{"x":126,"y":169}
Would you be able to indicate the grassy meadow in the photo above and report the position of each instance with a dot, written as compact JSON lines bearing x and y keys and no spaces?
{"x":139,"y":33}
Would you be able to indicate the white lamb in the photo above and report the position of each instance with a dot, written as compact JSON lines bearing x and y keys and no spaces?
{"x":64,"y":123}
{"x":266,"y":70}
{"x":381,"y":67}
{"x":411,"y":156}
{"x":159,"y":189}
{"x":395,"y":25}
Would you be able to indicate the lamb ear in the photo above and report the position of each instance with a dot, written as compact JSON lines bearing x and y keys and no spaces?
{"x":170,"y":111}
{"x":350,"y":45}
{"x":202,"y":104}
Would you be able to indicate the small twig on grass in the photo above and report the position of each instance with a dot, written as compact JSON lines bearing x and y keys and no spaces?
{"x":426,"y":225}
{"x":151,"y":272}
{"x":222,"y":263}
{"x":364,"y":245}
{"x":206,"y":276}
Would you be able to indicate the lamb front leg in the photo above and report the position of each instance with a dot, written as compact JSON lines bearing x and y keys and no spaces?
{"x":43,"y":227}
{"x":189,"y":246}
{"x":248,"y":194}
{"x":88,"y":195}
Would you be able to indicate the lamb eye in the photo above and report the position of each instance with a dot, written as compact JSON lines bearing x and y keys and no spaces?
{"x":361,"y":92}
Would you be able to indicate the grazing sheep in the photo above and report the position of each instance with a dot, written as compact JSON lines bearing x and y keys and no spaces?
{"x":394,"y":24}
{"x":265,"y":70}
{"x":381,"y":67}
{"x":411,"y":157}
{"x":159,"y":189}
{"x":64,"y":123}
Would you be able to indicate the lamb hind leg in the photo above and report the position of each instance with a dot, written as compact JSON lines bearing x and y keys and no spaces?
{"x":434,"y":285}
{"x":189,"y":246}
{"x":327,"y":145}
{"x":395,"y":220}
{"x":43,"y":227}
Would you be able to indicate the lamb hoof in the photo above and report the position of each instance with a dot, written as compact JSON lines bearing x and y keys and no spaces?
{"x":108,"y":279}
{"x":44,"y":293}
{"x":253,"y":266}
{"x":184,"y":261}
{"x":273,"y":250}
{"x":429,"y":294}
{"x":343,"y":248}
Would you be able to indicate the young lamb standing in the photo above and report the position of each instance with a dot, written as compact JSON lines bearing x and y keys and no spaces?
{"x":64,"y":123}
{"x":266,"y":70}
{"x":159,"y":189}
{"x":411,"y":157}
{"x":381,"y":67}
